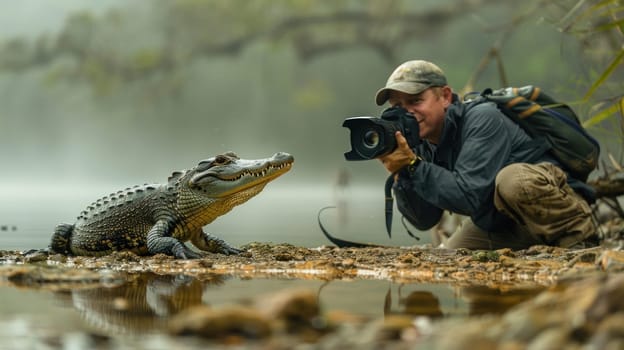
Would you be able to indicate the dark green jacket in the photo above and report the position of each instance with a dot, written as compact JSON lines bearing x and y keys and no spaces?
{"x":458,"y":174}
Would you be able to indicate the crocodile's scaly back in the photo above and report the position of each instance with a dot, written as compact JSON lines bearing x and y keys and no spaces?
{"x":120,"y":220}
{"x":157,"y":218}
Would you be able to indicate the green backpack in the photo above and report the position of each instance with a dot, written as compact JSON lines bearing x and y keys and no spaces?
{"x":556,"y":123}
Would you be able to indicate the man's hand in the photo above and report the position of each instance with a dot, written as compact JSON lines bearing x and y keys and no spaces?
{"x":400,"y":157}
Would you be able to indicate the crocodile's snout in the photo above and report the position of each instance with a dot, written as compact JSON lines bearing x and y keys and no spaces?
{"x":224,"y":178}
{"x":283,"y":156}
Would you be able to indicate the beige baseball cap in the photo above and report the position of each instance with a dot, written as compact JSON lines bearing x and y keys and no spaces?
{"x":412,"y":77}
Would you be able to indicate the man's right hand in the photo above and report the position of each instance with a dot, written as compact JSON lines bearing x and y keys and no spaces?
{"x":400,"y":157}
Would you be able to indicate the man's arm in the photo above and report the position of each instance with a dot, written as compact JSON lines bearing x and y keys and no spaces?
{"x":418,"y":211}
{"x":484,"y":151}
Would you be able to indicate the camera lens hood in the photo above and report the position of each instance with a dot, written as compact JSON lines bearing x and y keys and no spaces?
{"x":371,"y":137}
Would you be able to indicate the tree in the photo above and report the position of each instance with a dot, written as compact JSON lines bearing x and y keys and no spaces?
{"x":150,"y":45}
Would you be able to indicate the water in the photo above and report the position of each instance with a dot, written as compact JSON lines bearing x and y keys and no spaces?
{"x":286,"y":213}
{"x":279,"y":214}
{"x":144,"y":305}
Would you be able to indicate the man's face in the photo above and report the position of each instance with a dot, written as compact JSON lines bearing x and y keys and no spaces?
{"x":428,"y":107}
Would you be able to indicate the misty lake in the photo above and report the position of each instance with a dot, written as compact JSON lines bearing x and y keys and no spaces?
{"x":281,"y":214}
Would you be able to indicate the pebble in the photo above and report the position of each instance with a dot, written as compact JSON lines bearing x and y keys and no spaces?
{"x":221,"y":324}
{"x":611,"y":260}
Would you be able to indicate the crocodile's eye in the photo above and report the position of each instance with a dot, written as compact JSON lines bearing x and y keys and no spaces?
{"x":221,"y":160}
{"x":232,"y":155}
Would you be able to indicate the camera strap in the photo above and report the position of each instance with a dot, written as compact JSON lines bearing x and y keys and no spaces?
{"x":389,"y":207}
{"x":341,"y":243}
{"x":389,"y":203}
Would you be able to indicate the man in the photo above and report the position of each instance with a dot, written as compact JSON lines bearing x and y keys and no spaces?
{"x":476,"y":162}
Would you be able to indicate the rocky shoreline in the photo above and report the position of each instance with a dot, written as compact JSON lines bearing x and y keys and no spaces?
{"x":581,"y":305}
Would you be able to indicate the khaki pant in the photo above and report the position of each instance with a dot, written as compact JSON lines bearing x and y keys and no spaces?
{"x":544,"y":207}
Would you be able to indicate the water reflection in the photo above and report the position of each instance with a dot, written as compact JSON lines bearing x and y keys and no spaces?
{"x":146,"y":303}
{"x":141,"y":305}
{"x":468,"y":300}
{"x":484,"y":300}
{"x":421,"y":303}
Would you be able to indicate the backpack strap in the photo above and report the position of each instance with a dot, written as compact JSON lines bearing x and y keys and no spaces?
{"x":539,"y":145}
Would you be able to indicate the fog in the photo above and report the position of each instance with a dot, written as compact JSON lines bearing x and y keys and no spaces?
{"x":66,"y":141}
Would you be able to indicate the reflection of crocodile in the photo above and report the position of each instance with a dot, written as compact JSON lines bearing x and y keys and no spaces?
{"x":157,"y":218}
{"x":142,"y":305}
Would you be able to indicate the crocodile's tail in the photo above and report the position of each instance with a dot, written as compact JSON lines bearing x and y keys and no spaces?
{"x":61,"y":239}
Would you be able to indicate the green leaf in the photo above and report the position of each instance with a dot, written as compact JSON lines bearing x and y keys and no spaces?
{"x":606,"y":113}
{"x":605,"y":8}
{"x":616,"y":61}
{"x":610,"y":25}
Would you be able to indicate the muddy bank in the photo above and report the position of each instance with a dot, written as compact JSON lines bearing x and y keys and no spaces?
{"x":580,"y":305}
{"x":539,"y":264}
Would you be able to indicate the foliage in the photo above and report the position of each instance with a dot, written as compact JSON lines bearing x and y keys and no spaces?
{"x":158,"y":56}
{"x":176,"y":33}
{"x":599,"y":26}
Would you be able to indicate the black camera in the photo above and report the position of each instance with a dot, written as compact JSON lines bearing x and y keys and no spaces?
{"x":372,"y":137}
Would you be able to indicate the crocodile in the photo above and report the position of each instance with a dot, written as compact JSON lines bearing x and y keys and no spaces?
{"x":159,"y":218}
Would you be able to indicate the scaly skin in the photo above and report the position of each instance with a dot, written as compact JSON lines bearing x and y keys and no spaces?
{"x":158,"y":218}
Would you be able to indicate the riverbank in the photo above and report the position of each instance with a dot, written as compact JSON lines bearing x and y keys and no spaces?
{"x":539,"y":264}
{"x":580,"y":303}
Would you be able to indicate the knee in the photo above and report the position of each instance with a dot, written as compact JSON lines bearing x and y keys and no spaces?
{"x":528,"y":182}
{"x":510,"y":179}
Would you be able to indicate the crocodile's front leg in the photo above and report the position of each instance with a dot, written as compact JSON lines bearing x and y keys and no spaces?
{"x":209,"y":243}
{"x":159,"y":240}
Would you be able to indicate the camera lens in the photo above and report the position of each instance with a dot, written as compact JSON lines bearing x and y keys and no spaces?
{"x":371,"y":139}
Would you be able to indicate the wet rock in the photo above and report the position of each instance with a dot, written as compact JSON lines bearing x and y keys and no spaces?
{"x":523,"y":326}
{"x":348,"y":263}
{"x":283,"y":257}
{"x":57,"y":258}
{"x":551,"y":338}
{"x":609,"y":299}
{"x":409,"y":258}
{"x":288,"y":312}
{"x":506,"y":252}
{"x":609,"y":334}
{"x":507,"y":261}
{"x":36,"y":256}
{"x":484,"y":256}
{"x":295,"y":308}
{"x":588,"y":257}
{"x":234,"y":321}
{"x":205,"y":263}
{"x":586,"y":312}
{"x":462,"y":334}
{"x":393,"y":327}
{"x":541,"y":250}
{"x":611,"y":260}
{"x":55,"y":277}
{"x":383,"y":331}
{"x":124,"y":256}
{"x":338,"y":317}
